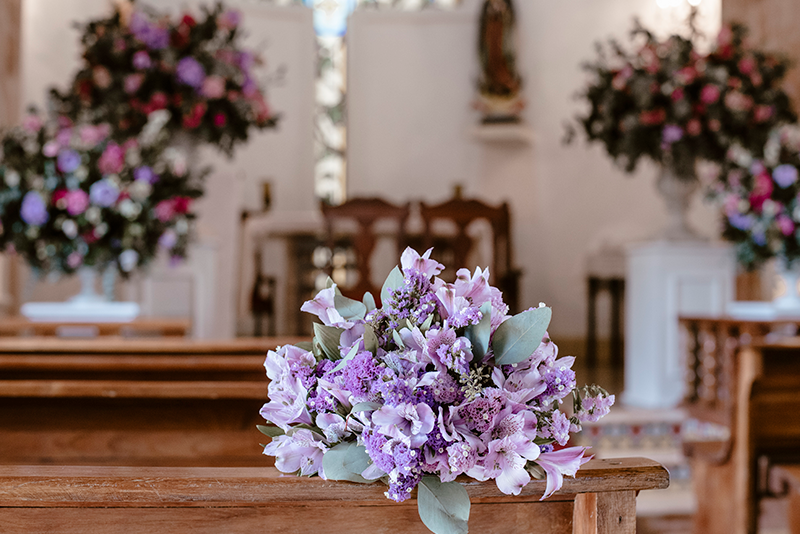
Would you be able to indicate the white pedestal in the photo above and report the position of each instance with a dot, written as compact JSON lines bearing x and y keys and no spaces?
{"x":80,"y":312}
{"x":664,"y":280}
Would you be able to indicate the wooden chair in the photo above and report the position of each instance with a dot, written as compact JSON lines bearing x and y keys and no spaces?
{"x":366,"y":213}
{"x":749,"y":388}
{"x":453,"y":251}
{"x":601,"y":499}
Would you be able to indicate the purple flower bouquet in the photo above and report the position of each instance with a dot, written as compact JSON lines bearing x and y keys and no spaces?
{"x":438,"y":382}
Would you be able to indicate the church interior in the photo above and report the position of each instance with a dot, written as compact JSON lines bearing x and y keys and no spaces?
{"x":187,"y":186}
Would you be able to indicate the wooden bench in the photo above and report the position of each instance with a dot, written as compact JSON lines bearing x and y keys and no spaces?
{"x":750,"y":388}
{"x":80,"y":500}
{"x":110,"y":401}
{"x":789,"y":477}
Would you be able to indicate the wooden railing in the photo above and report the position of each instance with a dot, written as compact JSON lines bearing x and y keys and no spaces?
{"x":601,"y":499}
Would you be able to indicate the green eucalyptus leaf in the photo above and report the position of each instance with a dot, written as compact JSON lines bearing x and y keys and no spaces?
{"x":479,"y":334}
{"x":343,"y":361}
{"x":305,"y":345}
{"x":348,"y":308}
{"x":369,"y":301}
{"x":517,"y":338}
{"x":398,"y":340}
{"x":337,"y":463}
{"x":370,"y":339}
{"x":443,"y":507}
{"x":329,"y":283}
{"x":427,"y":324}
{"x":536,"y":471}
{"x":395,"y":280}
{"x":271,"y":431}
{"x":366,"y":407}
{"x":327,"y":338}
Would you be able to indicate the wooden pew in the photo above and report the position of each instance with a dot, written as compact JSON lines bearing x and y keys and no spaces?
{"x":112,"y":401}
{"x":111,"y":500}
{"x":789,"y":477}
{"x":741,"y":383}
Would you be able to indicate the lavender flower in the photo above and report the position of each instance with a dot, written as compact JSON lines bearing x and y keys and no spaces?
{"x":33,"y":210}
{"x":153,"y":36}
{"x":190,"y":72}
{"x":103,"y":193}
{"x":145,"y":174}
{"x":784,"y":175}
{"x":68,"y":160}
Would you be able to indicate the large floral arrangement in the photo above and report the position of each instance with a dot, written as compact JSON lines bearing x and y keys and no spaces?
{"x":761,"y":200}
{"x":71,"y":196}
{"x":667,"y":102}
{"x":137,"y":62}
{"x":438,"y":382}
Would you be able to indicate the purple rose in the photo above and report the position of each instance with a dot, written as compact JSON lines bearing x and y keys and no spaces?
{"x":145,"y":174}
{"x":103,"y":193}
{"x":190,"y":72}
{"x":34,"y":209}
{"x":785,"y":175}
{"x":141,"y":60}
{"x":68,"y":160}
{"x":154,"y":37}
{"x":672,"y":133}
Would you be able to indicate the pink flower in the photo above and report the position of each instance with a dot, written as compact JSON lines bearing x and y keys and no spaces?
{"x":74,"y":260}
{"x":101,"y":77}
{"x":229,"y":19}
{"x":113,"y":159}
{"x":92,"y":135}
{"x":133,"y":82}
{"x":559,"y":463}
{"x":686,"y":75}
{"x":32,"y":123}
{"x":213,"y":87}
{"x":50,"y":149}
{"x":763,"y":113}
{"x":709,"y":94}
{"x":693,"y":127}
{"x":737,"y":101}
{"x":164,"y":210}
{"x":785,"y":224}
{"x":677,"y":94}
{"x":77,"y":201}
{"x":323,"y":307}
{"x":762,"y":190}
{"x":220,"y":120}
{"x":747,"y":64}
{"x":714,"y":125}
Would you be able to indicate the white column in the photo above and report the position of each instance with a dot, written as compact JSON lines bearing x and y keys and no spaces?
{"x":665,"y":280}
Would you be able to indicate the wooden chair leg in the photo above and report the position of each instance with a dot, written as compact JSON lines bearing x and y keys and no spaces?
{"x":605,"y":513}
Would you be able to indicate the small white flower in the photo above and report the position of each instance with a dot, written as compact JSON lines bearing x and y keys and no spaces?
{"x":93,"y":215}
{"x":100,"y":230}
{"x":12,"y":178}
{"x":128,"y":260}
{"x":140,"y":190}
{"x":130,"y":209}
{"x":69,"y":228}
{"x":182,"y":226}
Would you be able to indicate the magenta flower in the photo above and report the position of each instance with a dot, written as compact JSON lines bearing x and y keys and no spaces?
{"x":709,"y":94}
{"x":77,"y":201}
{"x":112,"y":160}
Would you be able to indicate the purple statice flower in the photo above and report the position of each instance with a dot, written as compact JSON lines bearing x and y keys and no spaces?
{"x":435,"y":458}
{"x":741,"y":221}
{"x":672,"y":133}
{"x":152,"y":35}
{"x":34,"y":210}
{"x":593,"y":408}
{"x":358,"y":375}
{"x":480,"y":413}
{"x":103,"y":193}
{"x":408,"y":423}
{"x":461,"y":457}
{"x":374,"y":443}
{"x":394,"y":391}
{"x":446,"y":390}
{"x":557,"y":428}
{"x":413,"y":300}
{"x":785,"y":175}
{"x":299,"y":452}
{"x":559,"y":463}
{"x":560,"y":380}
{"x":190,"y":72}
{"x":402,"y":485}
{"x":141,"y":60}
{"x":68,"y":160}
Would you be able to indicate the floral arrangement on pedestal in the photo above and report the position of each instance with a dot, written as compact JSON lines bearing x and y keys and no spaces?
{"x":439,"y":382}
{"x":70,"y":196}
{"x":761,"y":200}
{"x":670,"y":103}
{"x":138,"y":62}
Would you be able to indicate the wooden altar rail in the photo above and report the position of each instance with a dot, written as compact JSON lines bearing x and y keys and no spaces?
{"x":111,"y":401}
{"x":80,"y":500}
{"x":738,"y":381}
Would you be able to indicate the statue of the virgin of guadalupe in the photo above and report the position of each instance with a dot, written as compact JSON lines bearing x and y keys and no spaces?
{"x":500,"y":83}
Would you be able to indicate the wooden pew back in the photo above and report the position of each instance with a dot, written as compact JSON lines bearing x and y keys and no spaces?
{"x":111,"y":500}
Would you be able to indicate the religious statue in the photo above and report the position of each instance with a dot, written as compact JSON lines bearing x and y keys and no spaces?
{"x":500,"y":84}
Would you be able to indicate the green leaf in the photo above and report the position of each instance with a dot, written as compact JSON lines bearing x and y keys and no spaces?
{"x":398,"y":340}
{"x":329,"y":283}
{"x":271,"y":431}
{"x":338,"y":461}
{"x":327,"y":338}
{"x":348,"y":308}
{"x":369,"y":301}
{"x":370,"y":339}
{"x":536,"y":471}
{"x":366,"y":407}
{"x":395,"y":280}
{"x":427,"y":324}
{"x":517,"y":338}
{"x":479,"y":334}
{"x":343,"y":361}
{"x":305,"y":345}
{"x":443,"y":507}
